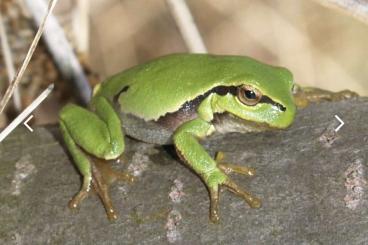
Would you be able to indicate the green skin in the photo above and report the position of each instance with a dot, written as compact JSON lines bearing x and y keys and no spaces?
{"x":162,"y":86}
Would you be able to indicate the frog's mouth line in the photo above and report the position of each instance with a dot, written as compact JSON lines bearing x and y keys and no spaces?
{"x":227,"y":122}
{"x":267,"y":100}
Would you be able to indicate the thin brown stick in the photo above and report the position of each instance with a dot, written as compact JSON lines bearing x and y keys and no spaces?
{"x":9,"y":63}
{"x":28,"y":57}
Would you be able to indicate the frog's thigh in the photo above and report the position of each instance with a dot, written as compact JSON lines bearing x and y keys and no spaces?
{"x":93,"y":132}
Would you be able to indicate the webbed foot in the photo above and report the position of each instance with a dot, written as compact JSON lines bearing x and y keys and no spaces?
{"x":102,"y":177}
{"x":304,"y":96}
{"x":218,"y":178}
{"x":230,"y":168}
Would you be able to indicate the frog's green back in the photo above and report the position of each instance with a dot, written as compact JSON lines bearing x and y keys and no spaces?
{"x":161,"y":86}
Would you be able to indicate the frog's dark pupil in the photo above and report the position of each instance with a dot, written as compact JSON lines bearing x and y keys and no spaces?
{"x":249,"y":94}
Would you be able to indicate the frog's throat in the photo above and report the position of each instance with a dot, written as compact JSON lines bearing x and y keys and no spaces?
{"x":227,"y":122}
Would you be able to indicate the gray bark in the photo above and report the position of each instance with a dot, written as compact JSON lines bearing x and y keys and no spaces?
{"x":312,"y":182}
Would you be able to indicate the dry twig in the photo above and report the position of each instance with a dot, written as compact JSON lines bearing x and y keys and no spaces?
{"x":8,"y":60}
{"x":61,"y":51}
{"x":28,"y":57}
{"x":81,"y":26}
{"x":184,"y":19}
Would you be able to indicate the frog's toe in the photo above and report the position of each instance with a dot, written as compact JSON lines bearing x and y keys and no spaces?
{"x":214,"y":205}
{"x":82,"y":194}
{"x":111,"y":215}
{"x":230,"y":168}
{"x":77,"y":199}
{"x":343,"y":95}
{"x":122,"y":176}
{"x":252,"y":201}
{"x":219,"y":179}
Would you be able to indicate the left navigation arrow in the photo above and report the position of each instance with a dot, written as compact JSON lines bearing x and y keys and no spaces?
{"x":25,"y":113}
{"x":26,"y":123}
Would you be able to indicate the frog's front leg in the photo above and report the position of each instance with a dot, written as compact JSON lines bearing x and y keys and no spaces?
{"x":213,"y":173}
{"x":91,"y":134}
{"x":303,"y":96}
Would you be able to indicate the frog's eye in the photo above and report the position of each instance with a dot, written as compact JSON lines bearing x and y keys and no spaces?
{"x":249,"y":95}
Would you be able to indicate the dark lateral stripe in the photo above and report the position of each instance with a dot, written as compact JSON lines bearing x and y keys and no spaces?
{"x":220,"y":90}
{"x":116,"y":97}
{"x":223,"y":90}
{"x":267,"y":100}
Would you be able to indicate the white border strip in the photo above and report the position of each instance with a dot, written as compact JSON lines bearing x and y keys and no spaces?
{"x":26,"y":112}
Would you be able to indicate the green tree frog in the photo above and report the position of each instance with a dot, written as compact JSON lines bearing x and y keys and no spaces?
{"x":178,"y":99}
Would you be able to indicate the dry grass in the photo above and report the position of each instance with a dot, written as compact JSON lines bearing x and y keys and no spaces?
{"x":321,"y":46}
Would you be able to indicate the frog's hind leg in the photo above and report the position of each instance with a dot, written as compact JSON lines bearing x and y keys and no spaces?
{"x":94,"y":133}
{"x":303,"y":96}
{"x":83,"y":165}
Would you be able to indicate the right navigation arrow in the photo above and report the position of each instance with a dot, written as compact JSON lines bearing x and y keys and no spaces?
{"x":341,"y":123}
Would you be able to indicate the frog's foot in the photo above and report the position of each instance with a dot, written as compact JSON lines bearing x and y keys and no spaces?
{"x":230,"y":168}
{"x":343,"y":95}
{"x":304,"y":96}
{"x":82,"y":194}
{"x":218,"y":179}
{"x":102,"y":177}
{"x":110,"y":175}
{"x":101,"y":186}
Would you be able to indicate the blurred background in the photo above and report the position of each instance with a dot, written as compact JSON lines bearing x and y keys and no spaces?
{"x":322,"y":46}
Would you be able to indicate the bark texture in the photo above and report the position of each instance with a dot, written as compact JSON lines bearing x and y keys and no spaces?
{"x":312,"y":182}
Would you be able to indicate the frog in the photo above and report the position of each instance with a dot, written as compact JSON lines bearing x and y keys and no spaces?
{"x":180,"y":99}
